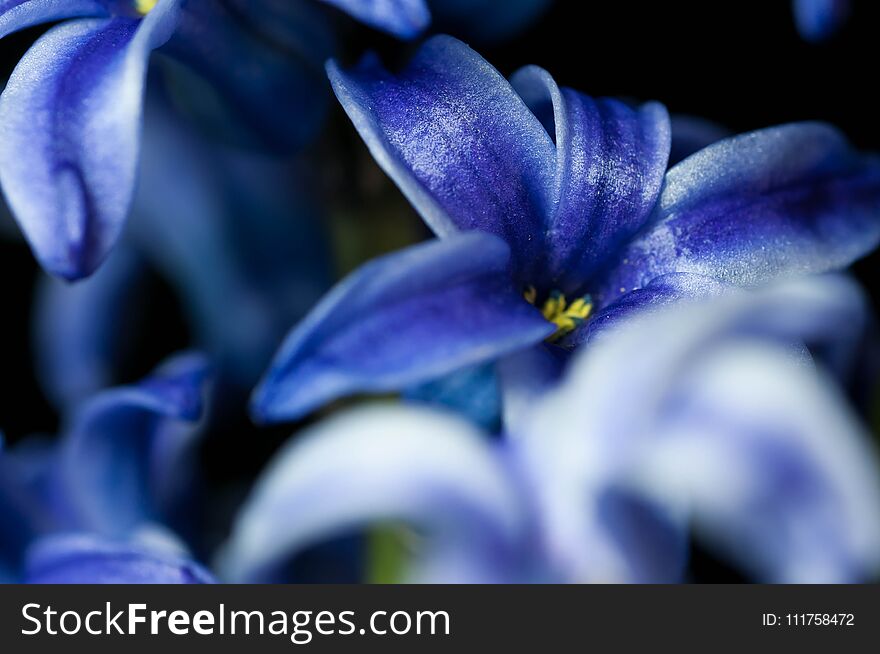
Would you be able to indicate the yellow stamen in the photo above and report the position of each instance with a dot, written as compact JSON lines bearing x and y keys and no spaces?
{"x":557,"y":310}
{"x":143,"y":7}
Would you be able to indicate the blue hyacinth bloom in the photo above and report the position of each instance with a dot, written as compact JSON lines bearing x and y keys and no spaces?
{"x":555,"y":216}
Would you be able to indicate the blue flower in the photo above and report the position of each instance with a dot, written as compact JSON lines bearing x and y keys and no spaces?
{"x":706,"y":419}
{"x":556,"y":216}
{"x":116,"y":492}
{"x":819,"y":20}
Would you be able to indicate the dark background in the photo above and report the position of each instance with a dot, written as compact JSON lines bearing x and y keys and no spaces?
{"x":741,"y":64}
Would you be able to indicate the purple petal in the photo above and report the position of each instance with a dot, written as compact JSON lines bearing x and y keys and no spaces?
{"x":400,"y":320}
{"x":69,"y":135}
{"x":611,"y":160}
{"x":404,"y":18}
{"x":90,"y":560}
{"x":20,"y":14}
{"x":458,"y":141}
{"x":787,"y":200}
{"x":125,"y":458}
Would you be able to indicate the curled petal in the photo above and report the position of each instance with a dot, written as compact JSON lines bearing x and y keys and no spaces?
{"x":458,"y":141}
{"x":611,"y":160}
{"x":125,"y":459}
{"x":69,"y":135}
{"x":781,"y":201}
{"x":429,"y":471}
{"x":404,"y":18}
{"x":79,"y":559}
{"x":408,"y":317}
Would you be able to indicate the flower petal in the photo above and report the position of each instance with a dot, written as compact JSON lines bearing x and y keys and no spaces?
{"x":82,"y":330}
{"x":819,"y":20}
{"x":404,"y":18}
{"x":458,"y":141}
{"x":263,"y":64}
{"x":79,"y":559}
{"x":125,"y":459}
{"x":20,"y":14}
{"x":787,"y":200}
{"x":427,"y":470}
{"x":580,"y":441}
{"x":400,"y":320}
{"x":660,"y":292}
{"x":611,"y":163}
{"x":471,"y":392}
{"x":69,"y":135}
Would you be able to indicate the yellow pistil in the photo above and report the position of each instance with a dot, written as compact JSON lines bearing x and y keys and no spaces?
{"x":557,"y":310}
{"x":143,"y":7}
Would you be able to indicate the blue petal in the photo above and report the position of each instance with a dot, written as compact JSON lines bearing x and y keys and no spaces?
{"x":400,"y":320}
{"x":611,"y":160}
{"x":660,"y":292}
{"x":486,"y":21}
{"x":458,"y":141}
{"x":82,"y":330}
{"x":430,"y":471}
{"x":242,"y":282}
{"x":69,"y":135}
{"x":787,"y":200}
{"x":471,"y":392}
{"x":125,"y":460}
{"x":723,"y":426}
{"x":20,"y":14}
{"x":404,"y":18}
{"x":263,"y":64}
{"x":819,"y":20}
{"x":525,"y":377}
{"x":79,"y":559}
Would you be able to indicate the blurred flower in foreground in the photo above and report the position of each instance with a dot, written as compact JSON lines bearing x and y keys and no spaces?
{"x":552,"y":222}
{"x":819,"y":20}
{"x":707,"y":419}
{"x":113,"y":499}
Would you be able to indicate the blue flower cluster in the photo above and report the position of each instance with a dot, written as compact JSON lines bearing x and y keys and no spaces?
{"x":631,"y":336}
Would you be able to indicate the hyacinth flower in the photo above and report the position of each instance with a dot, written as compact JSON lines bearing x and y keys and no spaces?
{"x":555,"y":216}
{"x":113,"y":498}
{"x":819,"y":20}
{"x":732,"y":436}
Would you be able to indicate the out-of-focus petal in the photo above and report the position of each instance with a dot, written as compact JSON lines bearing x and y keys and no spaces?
{"x":70,"y":132}
{"x":84,"y":559}
{"x":486,"y":21}
{"x":458,"y":141}
{"x":125,"y":458}
{"x":20,"y":14}
{"x":402,"y":319}
{"x":584,"y":437}
{"x":778,"y":202}
{"x":471,"y":392}
{"x":404,"y":18}
{"x":430,"y":471}
{"x":263,"y":61}
{"x":82,"y":329}
{"x":819,"y":20}
{"x":611,"y":160}
{"x":691,"y":134}
{"x":237,"y":240}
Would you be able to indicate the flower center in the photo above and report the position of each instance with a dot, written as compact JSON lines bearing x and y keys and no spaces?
{"x":557,"y":310}
{"x":143,"y":7}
